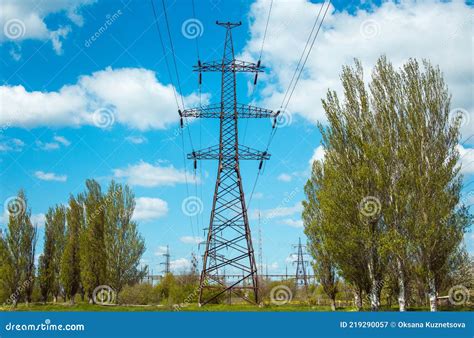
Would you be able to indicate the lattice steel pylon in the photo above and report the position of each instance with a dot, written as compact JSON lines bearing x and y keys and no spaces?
{"x":229,"y":242}
{"x":301,"y":276}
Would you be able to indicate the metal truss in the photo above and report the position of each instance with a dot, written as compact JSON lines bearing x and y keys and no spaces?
{"x":229,"y":243}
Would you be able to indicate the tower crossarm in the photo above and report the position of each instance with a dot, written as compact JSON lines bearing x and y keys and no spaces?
{"x":215,"y":111}
{"x":245,"y":153}
{"x":230,"y":66}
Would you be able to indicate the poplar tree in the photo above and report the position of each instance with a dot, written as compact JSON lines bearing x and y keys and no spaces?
{"x":18,"y":249}
{"x":70,"y":274}
{"x":53,"y":248}
{"x":93,"y":254}
{"x":123,"y":244}
{"x":387,"y":193}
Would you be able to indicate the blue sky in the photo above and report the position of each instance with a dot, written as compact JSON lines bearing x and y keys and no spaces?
{"x":57,"y":82}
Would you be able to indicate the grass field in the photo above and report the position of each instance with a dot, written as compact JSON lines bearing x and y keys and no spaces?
{"x":292,"y":307}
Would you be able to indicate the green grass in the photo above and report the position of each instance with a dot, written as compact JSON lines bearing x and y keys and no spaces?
{"x":292,"y":307}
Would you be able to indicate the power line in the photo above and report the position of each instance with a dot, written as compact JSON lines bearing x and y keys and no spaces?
{"x":172,"y":51}
{"x":164,"y":53}
{"x":309,"y":52}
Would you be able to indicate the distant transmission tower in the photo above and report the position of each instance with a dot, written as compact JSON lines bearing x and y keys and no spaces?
{"x":166,"y":263}
{"x":229,"y":243}
{"x":301,"y":276}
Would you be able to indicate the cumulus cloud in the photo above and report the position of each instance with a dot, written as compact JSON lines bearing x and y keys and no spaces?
{"x":26,"y":20}
{"x":136,"y":139}
{"x":318,"y":155}
{"x":278,"y":212}
{"x":284,"y":177}
{"x":148,"y":208}
{"x":50,"y":176}
{"x":191,"y":239}
{"x":437,"y":30}
{"x":148,"y":175}
{"x":13,"y":144}
{"x":130,"y":96}
{"x":466,"y":159}
{"x":295,"y":223}
{"x":180,"y":265}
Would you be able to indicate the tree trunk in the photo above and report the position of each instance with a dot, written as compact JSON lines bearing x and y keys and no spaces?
{"x":71,"y":300}
{"x":55,"y":298}
{"x":333,"y":304}
{"x":358,"y":299}
{"x":432,"y":294}
{"x":401,"y":286}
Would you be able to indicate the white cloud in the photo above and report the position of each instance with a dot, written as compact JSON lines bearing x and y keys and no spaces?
{"x":26,"y":19}
{"x":148,"y":208}
{"x":318,"y":155}
{"x":13,"y":144}
{"x":147,"y":175}
{"x":130,"y":96}
{"x":162,"y":249}
{"x":467,"y":160}
{"x":278,"y":212}
{"x":136,"y":139}
{"x":50,"y":176}
{"x":61,"y":139}
{"x":180,"y":264}
{"x":283,"y":177}
{"x":191,"y":239}
{"x":295,"y":223}
{"x":38,"y":219}
{"x":440,"y":31}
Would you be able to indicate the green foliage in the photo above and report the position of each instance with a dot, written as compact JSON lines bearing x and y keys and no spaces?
{"x":93,"y":256}
{"x":17,"y":251}
{"x":70,"y":274}
{"x":50,"y":260}
{"x":385,"y":198}
{"x":123,"y":244}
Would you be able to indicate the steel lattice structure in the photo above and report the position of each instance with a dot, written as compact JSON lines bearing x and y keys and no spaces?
{"x":229,"y":242}
{"x":301,"y":277}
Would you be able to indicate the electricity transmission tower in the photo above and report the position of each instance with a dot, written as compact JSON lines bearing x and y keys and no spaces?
{"x":166,"y":263}
{"x":229,"y":243}
{"x":301,"y":276}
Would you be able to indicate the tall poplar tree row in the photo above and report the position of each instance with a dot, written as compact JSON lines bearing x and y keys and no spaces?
{"x":386,"y":196}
